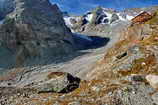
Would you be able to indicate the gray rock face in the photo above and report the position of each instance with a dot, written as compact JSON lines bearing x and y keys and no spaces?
{"x":35,"y":29}
{"x":114,"y":18}
{"x":135,"y":95}
{"x":134,"y":52}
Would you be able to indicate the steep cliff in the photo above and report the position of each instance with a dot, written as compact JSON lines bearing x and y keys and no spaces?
{"x":34,"y":32}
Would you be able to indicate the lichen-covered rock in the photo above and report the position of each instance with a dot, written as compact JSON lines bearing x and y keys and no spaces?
{"x":59,"y":82}
{"x":135,"y":95}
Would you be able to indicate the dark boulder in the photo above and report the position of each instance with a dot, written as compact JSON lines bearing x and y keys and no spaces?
{"x":59,"y":82}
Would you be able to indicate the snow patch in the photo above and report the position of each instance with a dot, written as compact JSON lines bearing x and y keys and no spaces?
{"x":120,"y":17}
{"x":68,"y":22}
{"x":129,"y":17}
{"x":109,"y":15}
{"x":89,"y":17}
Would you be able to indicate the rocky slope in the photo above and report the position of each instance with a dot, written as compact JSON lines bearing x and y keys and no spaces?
{"x":126,"y":75}
{"x":34,"y":33}
{"x":131,"y":62}
{"x":135,"y":11}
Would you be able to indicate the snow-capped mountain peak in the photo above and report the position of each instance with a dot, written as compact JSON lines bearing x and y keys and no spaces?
{"x":99,"y":16}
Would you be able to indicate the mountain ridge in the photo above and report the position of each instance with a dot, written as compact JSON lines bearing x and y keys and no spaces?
{"x":120,"y":70}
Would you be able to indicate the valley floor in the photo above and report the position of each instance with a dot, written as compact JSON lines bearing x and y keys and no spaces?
{"x":78,"y":64}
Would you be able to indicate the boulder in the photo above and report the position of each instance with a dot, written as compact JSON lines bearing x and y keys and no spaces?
{"x":153,"y":80}
{"x":137,"y":78}
{"x":59,"y":82}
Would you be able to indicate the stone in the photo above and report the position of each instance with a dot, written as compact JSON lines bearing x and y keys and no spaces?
{"x":153,"y":80}
{"x":59,"y":82}
{"x":137,"y":78}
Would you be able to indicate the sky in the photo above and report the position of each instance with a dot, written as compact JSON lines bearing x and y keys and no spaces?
{"x":81,"y":6}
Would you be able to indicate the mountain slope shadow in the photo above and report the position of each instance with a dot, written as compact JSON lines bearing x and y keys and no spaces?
{"x":84,"y":42}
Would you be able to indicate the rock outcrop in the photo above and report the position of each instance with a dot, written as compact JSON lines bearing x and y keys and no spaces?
{"x":114,"y":18}
{"x":141,"y":18}
{"x":59,"y":82}
{"x":35,"y":29}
